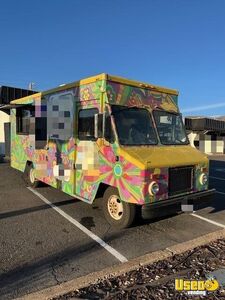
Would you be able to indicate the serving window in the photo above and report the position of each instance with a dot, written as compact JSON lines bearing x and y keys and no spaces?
{"x":23,"y":115}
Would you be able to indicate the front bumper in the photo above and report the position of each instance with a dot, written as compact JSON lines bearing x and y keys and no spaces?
{"x":187,"y":202}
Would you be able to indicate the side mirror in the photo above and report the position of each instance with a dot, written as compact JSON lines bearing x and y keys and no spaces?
{"x":98,"y":126}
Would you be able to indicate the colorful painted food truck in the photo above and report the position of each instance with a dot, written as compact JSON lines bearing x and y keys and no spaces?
{"x":121,"y":140}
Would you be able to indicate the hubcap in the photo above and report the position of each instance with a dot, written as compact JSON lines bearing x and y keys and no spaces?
{"x":115,"y":207}
{"x":32,"y":178}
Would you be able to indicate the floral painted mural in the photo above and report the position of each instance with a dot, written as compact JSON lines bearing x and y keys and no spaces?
{"x":133,"y":96}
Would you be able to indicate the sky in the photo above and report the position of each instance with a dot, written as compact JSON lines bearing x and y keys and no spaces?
{"x":178,"y":44}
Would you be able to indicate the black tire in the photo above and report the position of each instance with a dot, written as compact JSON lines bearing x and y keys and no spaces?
{"x":29,"y":179}
{"x":120,"y":220}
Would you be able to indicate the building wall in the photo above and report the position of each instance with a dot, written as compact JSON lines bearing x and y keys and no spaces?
{"x":211,"y":144}
{"x":3,"y":119}
{"x":223,"y":138}
{"x":207,"y":143}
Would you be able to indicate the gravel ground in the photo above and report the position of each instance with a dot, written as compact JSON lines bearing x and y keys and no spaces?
{"x":157,"y":280}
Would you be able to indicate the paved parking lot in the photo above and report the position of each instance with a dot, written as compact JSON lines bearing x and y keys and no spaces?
{"x":47,"y":238}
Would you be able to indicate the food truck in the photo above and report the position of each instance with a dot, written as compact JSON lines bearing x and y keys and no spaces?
{"x":120,"y":140}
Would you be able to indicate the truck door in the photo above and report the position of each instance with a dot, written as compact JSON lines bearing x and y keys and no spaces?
{"x":61,"y":142}
{"x":87,"y":156}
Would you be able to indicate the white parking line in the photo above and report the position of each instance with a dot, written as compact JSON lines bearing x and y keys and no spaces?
{"x":208,"y":220}
{"x":111,"y":250}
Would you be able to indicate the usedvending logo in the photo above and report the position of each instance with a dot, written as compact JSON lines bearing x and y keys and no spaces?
{"x":196,"y":287}
{"x":213,"y":281}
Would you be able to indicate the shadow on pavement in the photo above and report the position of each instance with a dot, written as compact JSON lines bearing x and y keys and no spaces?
{"x":35,"y":208}
{"x":33,"y":274}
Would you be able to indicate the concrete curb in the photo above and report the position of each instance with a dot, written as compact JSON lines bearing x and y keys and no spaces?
{"x":117,"y":270}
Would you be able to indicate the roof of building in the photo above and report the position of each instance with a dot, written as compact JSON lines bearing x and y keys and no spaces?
{"x":196,"y":123}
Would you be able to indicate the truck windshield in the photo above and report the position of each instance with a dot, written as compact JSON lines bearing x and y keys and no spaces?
{"x":170,"y":128}
{"x":134,"y":126}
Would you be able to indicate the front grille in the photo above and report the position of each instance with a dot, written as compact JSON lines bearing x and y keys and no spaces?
{"x":180,"y":180}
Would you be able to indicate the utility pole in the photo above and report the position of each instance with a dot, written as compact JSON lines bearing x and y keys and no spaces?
{"x":31,"y":85}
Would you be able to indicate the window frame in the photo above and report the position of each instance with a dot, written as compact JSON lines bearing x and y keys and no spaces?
{"x":183,"y":126}
{"x":86,"y":138}
{"x":19,"y":118}
{"x":152,"y":123}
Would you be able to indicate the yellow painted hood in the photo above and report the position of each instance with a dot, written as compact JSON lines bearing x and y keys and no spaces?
{"x":163,"y":156}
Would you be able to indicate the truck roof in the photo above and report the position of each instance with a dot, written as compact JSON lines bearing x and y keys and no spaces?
{"x":103,"y":76}
{"x":141,"y":84}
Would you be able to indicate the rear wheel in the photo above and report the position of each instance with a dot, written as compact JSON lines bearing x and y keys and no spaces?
{"x":30,"y":176}
{"x":117,"y":212}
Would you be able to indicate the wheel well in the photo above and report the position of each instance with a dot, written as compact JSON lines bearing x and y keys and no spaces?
{"x":28,"y":163}
{"x":101,"y":190}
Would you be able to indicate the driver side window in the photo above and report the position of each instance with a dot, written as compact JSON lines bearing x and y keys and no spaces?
{"x":86,"y":124}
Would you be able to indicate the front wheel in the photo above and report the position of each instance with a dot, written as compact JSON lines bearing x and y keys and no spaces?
{"x":30,"y":177}
{"x":117,"y":212}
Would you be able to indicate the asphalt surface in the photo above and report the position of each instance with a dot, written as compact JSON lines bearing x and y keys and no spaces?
{"x":40,"y":248}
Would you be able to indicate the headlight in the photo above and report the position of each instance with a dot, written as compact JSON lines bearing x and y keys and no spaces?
{"x":153,"y":188}
{"x":203,"y":179}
